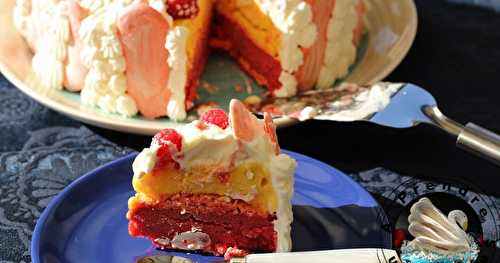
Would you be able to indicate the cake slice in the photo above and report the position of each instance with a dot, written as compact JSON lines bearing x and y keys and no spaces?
{"x":290,"y":45}
{"x":218,"y":185}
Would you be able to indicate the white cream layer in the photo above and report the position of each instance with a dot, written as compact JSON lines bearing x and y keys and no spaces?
{"x":214,"y":145}
{"x":340,"y":52}
{"x":176,"y":45}
{"x":46,"y":24}
{"x":22,"y":12}
{"x":373,"y":100}
{"x":294,"y":19}
{"x":105,"y":84}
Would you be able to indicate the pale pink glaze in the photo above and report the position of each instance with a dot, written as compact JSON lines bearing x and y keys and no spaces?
{"x":142,"y":33}
{"x":75,"y":70}
{"x":244,"y":123}
{"x":314,"y":56}
{"x":247,"y":127}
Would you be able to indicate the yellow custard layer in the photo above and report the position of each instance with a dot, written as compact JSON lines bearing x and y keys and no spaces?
{"x":257,"y":25}
{"x":198,"y":26}
{"x":249,"y":180}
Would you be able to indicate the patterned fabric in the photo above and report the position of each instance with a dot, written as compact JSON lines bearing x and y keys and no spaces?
{"x":41,"y":152}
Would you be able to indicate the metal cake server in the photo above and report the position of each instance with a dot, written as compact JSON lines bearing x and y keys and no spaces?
{"x":358,"y":255}
{"x":412,"y":105}
{"x":398,"y":105}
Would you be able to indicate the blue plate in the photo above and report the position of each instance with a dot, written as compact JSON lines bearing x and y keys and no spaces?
{"x":86,"y":221}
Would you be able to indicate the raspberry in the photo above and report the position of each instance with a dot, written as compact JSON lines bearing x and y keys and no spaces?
{"x":167,"y":139}
{"x":398,"y":236}
{"x":273,"y":109}
{"x":182,"y":8}
{"x":217,"y":117}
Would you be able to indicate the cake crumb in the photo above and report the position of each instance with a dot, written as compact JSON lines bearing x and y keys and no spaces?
{"x":272,"y":109}
{"x":162,"y":241}
{"x":195,"y":229}
{"x":253,"y":100}
{"x":209,"y":87}
{"x":226,"y":199}
{"x":238,"y":88}
{"x":248,"y":85}
{"x":348,"y":86}
{"x":234,"y":252}
{"x":250,"y":175}
{"x":308,"y":113}
{"x":183,"y":211}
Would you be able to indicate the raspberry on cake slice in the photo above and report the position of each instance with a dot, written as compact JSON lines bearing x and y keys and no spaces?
{"x":217,"y":185}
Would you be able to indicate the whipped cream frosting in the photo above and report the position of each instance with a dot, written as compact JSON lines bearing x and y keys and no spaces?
{"x":145,"y":161}
{"x":307,"y":113}
{"x":198,"y":146}
{"x":161,"y":7}
{"x":368,"y":102}
{"x":21,"y":17}
{"x":219,"y":146}
{"x":105,"y":84}
{"x":281,"y":168}
{"x":46,"y":24}
{"x":340,"y":52}
{"x":176,"y":45}
{"x":94,"y":5}
{"x":433,"y":231}
{"x":294,"y":19}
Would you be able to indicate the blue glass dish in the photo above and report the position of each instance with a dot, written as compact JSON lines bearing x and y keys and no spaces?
{"x":86,"y":221}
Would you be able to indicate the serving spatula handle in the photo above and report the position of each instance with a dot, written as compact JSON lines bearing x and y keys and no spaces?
{"x":471,"y":137}
{"x":360,"y":255}
{"x":480,"y":141}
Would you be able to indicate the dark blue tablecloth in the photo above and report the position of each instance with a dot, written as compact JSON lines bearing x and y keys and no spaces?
{"x":456,"y":56}
{"x":41,"y":152}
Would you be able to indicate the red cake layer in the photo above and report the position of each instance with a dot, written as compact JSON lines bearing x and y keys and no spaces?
{"x":228,"y":223}
{"x":229,"y":36}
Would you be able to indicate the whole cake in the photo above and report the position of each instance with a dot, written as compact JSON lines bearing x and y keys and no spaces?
{"x":218,"y":185}
{"x":147,"y":56}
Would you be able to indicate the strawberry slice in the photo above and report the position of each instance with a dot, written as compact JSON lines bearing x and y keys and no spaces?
{"x":182,"y":8}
